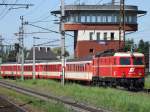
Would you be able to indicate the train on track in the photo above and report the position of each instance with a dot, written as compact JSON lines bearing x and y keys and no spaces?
{"x":125,"y":69}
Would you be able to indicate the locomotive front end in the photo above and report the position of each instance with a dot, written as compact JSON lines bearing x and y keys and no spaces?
{"x":130,"y":70}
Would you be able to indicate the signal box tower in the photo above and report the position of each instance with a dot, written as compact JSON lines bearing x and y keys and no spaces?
{"x":96,"y":27}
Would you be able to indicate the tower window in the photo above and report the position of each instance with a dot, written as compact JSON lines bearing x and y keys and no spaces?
{"x":88,"y":18}
{"x":93,"y":18}
{"x":112,"y":36}
{"x":109,"y":18}
{"x":105,"y":36}
{"x":91,"y":35}
{"x":104,"y":19}
{"x":98,"y":36}
{"x":83,"y":19}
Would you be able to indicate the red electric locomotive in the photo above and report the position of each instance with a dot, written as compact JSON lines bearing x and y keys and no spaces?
{"x":122,"y":68}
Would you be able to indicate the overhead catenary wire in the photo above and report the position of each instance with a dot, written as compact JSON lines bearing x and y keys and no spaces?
{"x":12,"y":4}
{"x":35,"y":8}
{"x":53,"y":31}
{"x":6,"y":10}
{"x":48,"y":42}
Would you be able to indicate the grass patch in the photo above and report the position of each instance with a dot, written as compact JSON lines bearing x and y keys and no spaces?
{"x":36,"y":105}
{"x":107,"y":98}
{"x":147,"y":81}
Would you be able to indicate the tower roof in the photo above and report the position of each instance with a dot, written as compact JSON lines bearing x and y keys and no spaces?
{"x":99,"y":8}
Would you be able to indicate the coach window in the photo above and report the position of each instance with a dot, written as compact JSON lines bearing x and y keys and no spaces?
{"x":55,"y":68}
{"x":46,"y":67}
{"x":69,"y":67}
{"x":76,"y":67}
{"x":125,"y":61}
{"x":72,"y":67}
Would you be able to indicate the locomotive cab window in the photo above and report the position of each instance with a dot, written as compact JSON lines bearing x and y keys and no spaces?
{"x":125,"y":61}
{"x":138,"y":61}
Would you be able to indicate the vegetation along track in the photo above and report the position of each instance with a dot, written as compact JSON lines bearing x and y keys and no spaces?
{"x":78,"y":107}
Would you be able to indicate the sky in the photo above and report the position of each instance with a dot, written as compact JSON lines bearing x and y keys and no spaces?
{"x":40,"y":15}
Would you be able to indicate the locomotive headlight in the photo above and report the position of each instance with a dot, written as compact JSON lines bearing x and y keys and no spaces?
{"x":140,"y":74}
{"x":123,"y":74}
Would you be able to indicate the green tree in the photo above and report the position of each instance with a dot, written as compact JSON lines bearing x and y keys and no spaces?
{"x":141,"y":46}
{"x":128,"y":44}
{"x":146,"y":47}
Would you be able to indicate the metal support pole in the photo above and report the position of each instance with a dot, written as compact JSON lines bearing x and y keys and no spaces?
{"x":34,"y":71}
{"x":1,"y":46}
{"x":123,"y":19}
{"x":62,"y":43}
{"x":122,"y":23}
{"x":113,"y":2}
{"x":19,"y":53}
{"x":149,"y":57}
{"x":1,"y":49}
{"x":22,"y":47}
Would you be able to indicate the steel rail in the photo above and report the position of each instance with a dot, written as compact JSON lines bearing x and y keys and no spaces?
{"x":19,"y":108}
{"x":145,"y":90}
{"x":78,"y":107}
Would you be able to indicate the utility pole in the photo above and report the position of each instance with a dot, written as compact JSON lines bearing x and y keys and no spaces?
{"x":62,"y":43}
{"x":113,"y":2}
{"x":149,"y":57}
{"x":1,"y":48}
{"x":19,"y":53}
{"x":34,"y":71}
{"x":1,"y":44}
{"x":22,"y":46}
{"x":122,"y":23}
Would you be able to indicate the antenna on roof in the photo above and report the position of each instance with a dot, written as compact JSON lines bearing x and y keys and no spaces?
{"x":77,"y":2}
{"x":113,"y":2}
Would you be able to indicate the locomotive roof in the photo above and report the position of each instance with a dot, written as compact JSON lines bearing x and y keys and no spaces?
{"x":122,"y":54}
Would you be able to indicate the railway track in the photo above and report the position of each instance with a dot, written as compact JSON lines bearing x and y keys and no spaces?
{"x":8,"y":106}
{"x":75,"y":106}
{"x":146,"y":91}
